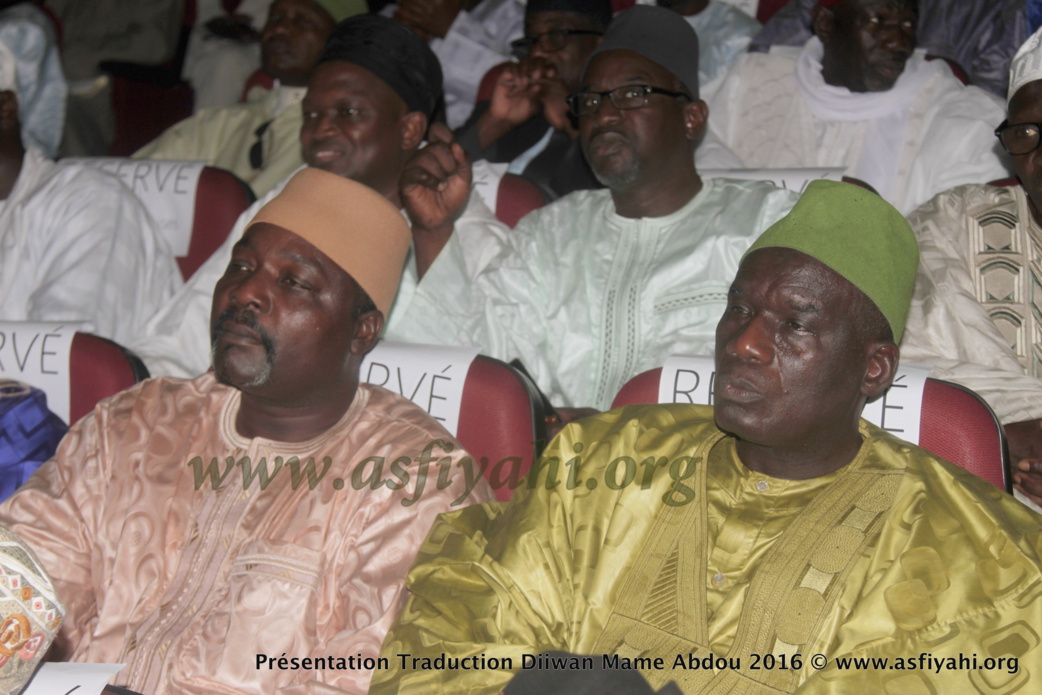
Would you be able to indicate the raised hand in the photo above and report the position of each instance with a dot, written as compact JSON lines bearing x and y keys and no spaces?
{"x":434,"y":187}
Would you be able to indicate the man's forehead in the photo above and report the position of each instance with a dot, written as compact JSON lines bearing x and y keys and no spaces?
{"x":785,"y":270}
{"x":1028,"y":98}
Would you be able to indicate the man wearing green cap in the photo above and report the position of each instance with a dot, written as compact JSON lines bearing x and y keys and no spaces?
{"x":258,"y":140}
{"x":754,"y":546}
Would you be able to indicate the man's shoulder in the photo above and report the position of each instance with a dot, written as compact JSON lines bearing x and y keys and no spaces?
{"x":160,"y":399}
{"x":754,"y":67}
{"x":983,"y":202}
{"x":210,"y":125}
{"x":399,"y":418}
{"x":638,"y":430}
{"x":742,"y":193}
{"x":577,"y":205}
{"x":953,"y":549}
{"x":949,"y":89}
{"x":45,"y":178}
{"x":939,"y":492}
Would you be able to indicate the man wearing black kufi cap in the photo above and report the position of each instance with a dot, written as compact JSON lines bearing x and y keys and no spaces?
{"x":526,"y":120}
{"x":365,"y":113}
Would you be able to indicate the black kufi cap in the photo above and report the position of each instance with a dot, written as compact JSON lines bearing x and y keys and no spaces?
{"x":392,"y":52}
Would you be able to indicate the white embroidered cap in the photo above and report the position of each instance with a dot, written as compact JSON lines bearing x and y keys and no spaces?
{"x":1027,"y":64}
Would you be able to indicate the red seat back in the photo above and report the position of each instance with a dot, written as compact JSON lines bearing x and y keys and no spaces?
{"x":148,"y":99}
{"x":955,"y":424}
{"x":259,"y":78}
{"x":766,"y":9}
{"x":501,"y":422}
{"x":99,"y":368}
{"x":516,"y":197}
{"x":219,"y":200}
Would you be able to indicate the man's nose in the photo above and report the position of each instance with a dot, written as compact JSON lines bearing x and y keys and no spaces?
{"x":753,"y":341}
{"x":252,"y":291}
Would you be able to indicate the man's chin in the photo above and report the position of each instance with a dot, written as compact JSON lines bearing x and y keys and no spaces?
{"x":615,"y":177}
{"x":883,"y":79}
{"x":242,"y":376}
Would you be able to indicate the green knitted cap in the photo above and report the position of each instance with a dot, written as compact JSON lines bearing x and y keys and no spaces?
{"x":860,"y":236}
{"x":340,"y":10}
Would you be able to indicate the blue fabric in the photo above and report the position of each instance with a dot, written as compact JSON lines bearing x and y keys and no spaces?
{"x":1034,"y":8}
{"x":29,"y":434}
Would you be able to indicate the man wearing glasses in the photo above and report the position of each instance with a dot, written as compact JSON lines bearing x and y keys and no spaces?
{"x":526,"y":122}
{"x":978,"y":290}
{"x":600,"y":285}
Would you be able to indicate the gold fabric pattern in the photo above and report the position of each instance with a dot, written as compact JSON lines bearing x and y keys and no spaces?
{"x":895,"y":555}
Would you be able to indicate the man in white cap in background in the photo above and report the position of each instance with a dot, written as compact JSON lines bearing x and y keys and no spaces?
{"x":75,"y":243}
{"x":257,"y":141}
{"x":200,"y":531}
{"x":977,"y":310}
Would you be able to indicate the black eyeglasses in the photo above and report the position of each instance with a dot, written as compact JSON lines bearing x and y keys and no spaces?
{"x":1019,"y":138}
{"x":553,"y":40}
{"x":623,"y":98}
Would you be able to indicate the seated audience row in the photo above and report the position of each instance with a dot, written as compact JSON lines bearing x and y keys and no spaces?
{"x":170,"y":560}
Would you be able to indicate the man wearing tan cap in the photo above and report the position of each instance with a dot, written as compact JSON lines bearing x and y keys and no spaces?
{"x":246,"y":531}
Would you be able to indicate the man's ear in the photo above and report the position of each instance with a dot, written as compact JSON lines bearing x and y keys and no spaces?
{"x":368,"y":328}
{"x":823,"y":21}
{"x":696,"y":117}
{"x":413,"y":128}
{"x":881,"y":367}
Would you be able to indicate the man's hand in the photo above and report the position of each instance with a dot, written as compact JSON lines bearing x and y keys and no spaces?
{"x":428,"y":18}
{"x":518,"y":93}
{"x":434,"y":187}
{"x":1025,"y":453}
{"x":521,"y":91}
